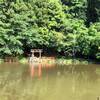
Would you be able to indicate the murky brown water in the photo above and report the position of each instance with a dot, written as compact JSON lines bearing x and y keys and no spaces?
{"x":20,"y":82}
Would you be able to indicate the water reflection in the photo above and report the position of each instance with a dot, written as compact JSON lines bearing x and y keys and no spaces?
{"x":58,"y":82}
{"x":36,"y":69}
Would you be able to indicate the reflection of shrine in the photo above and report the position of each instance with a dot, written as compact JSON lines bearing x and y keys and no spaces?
{"x":36,"y":70}
{"x":37,"y":62}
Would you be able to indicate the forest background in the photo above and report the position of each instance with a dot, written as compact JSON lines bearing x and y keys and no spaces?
{"x":56,"y":26}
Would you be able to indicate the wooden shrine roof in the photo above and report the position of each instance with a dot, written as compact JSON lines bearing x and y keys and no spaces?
{"x":36,"y":50}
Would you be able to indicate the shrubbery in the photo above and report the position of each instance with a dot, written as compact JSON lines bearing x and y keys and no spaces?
{"x":60,"y":25}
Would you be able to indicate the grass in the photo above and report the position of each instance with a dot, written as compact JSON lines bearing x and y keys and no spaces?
{"x":69,"y":61}
{"x":58,"y":60}
{"x":1,"y":61}
{"x":23,"y":60}
{"x":65,"y":61}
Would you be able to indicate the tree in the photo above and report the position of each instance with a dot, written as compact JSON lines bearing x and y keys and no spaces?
{"x":29,"y":24}
{"x":89,"y":42}
{"x":93,"y":11}
{"x":10,"y":42}
{"x":94,"y":32}
{"x":49,"y":22}
{"x":58,"y":25}
{"x":73,"y":29}
{"x":77,"y":8}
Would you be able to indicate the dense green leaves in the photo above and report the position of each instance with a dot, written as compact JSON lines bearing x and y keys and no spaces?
{"x":76,"y":8}
{"x":59,"y":25}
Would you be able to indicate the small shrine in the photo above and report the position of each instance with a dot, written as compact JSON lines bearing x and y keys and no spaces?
{"x":33,"y":51}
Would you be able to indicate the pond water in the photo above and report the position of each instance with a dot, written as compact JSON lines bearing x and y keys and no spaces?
{"x":21,"y":82}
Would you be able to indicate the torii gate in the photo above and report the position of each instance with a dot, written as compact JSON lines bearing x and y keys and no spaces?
{"x":34,"y":61}
{"x":33,"y":51}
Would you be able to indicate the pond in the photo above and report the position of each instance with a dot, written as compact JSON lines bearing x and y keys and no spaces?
{"x":20,"y":82}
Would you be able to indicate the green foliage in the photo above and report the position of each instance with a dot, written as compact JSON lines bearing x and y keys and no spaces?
{"x":93,"y":11}
{"x":51,"y":24}
{"x":73,"y":28}
{"x":29,"y":24}
{"x":76,"y":8}
{"x":94,"y":31}
{"x":89,"y":42}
